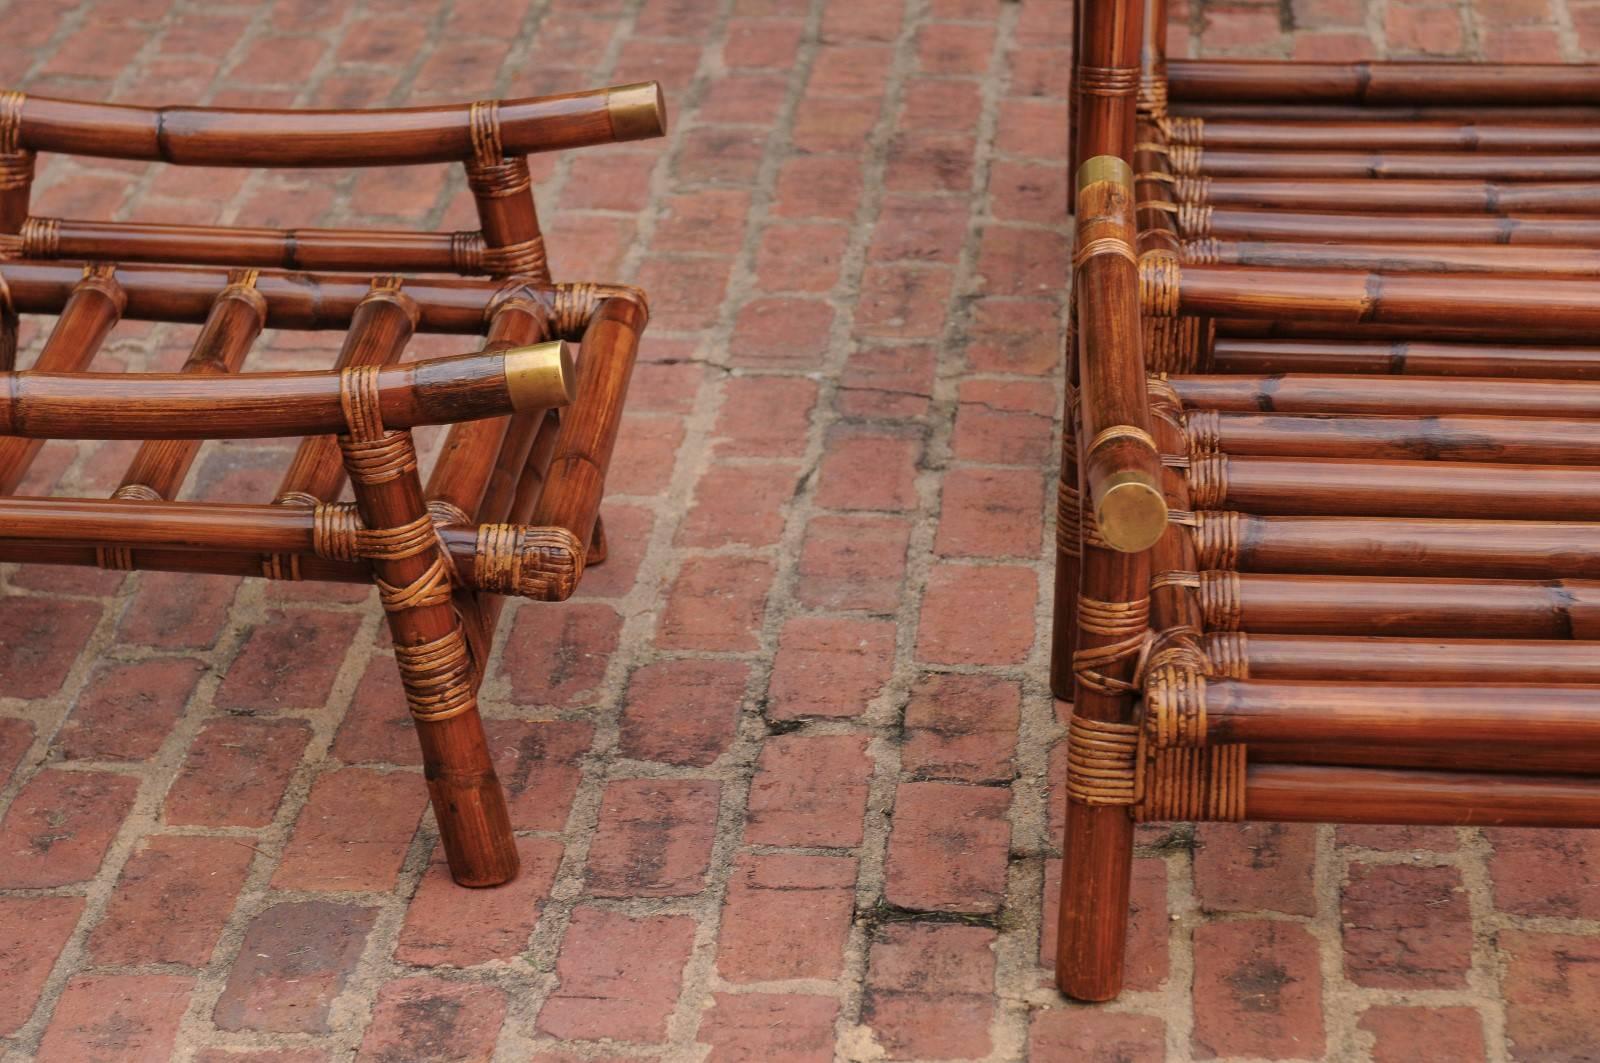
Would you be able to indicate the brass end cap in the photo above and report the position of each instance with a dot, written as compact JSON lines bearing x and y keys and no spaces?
{"x":1105,"y":168}
{"x":638,"y":112}
{"x":541,"y":376}
{"x":1131,"y":511}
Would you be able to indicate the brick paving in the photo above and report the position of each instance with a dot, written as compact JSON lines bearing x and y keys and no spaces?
{"x":782,"y":771}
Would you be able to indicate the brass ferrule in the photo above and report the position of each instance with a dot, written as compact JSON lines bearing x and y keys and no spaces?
{"x":1131,"y":511}
{"x":541,"y":376}
{"x":1105,"y":168}
{"x":638,"y":112}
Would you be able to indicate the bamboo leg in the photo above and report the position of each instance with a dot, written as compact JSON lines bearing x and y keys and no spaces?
{"x":16,"y":166}
{"x":436,"y":667}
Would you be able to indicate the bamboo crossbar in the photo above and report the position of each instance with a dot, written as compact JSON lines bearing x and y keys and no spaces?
{"x":1294,"y":793}
{"x":1568,"y":115}
{"x":1373,"y":659}
{"x":1350,"y":394}
{"x":41,"y":405}
{"x":1373,"y":133}
{"x":1383,"y":84}
{"x":1531,"y":441}
{"x":1394,"y":195}
{"x":1473,"y":259}
{"x":205,"y":136}
{"x":1238,"y":355}
{"x":1393,"y":165}
{"x":1525,"y":230}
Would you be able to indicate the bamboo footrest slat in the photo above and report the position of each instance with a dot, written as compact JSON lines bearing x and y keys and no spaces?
{"x":1371,"y":375}
{"x":511,"y":506}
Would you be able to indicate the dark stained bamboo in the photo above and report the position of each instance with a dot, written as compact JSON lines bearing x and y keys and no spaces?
{"x":202,"y":136}
{"x":1394,"y":195}
{"x":1244,"y":356}
{"x":1430,"y":607}
{"x":1538,"y":230}
{"x":1243,"y":111}
{"x":1291,"y":793}
{"x":65,"y":405}
{"x":1534,"y":441}
{"x":1469,"y":259}
{"x":159,"y":467}
{"x":92,"y":310}
{"x":1374,"y":488}
{"x":359,"y":250}
{"x":1347,"y":394}
{"x":1356,"y":659}
{"x":1383,"y":83}
{"x":16,"y":166}
{"x":1454,"y":757}
{"x":307,"y":301}
{"x":380,"y":328}
{"x":1394,"y":546}
{"x":1392,"y":165}
{"x":1296,"y":134}
{"x":1553,"y":330}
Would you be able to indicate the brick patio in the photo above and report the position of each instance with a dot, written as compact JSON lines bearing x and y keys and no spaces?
{"x":782,"y":771}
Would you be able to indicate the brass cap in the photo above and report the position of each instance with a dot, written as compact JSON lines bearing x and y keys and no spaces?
{"x":1104,"y":168}
{"x":1131,"y":511}
{"x":638,"y":112}
{"x":541,"y":376}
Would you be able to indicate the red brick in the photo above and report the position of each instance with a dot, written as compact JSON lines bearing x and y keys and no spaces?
{"x":1015,"y":336}
{"x":353,"y":832}
{"x":851,"y":70}
{"x":739,"y":505}
{"x":103,"y":1018}
{"x":962,"y":728}
{"x":628,"y":530}
{"x":538,"y":765}
{"x":620,"y":181}
{"x":127,"y":710}
{"x":832,"y":124}
{"x":1402,"y":1035}
{"x":59,"y":827}
{"x":1257,"y":991}
{"x":1145,"y":962}
{"x":685,"y":293}
{"x":704,"y":219}
{"x":809,"y":790}
{"x":289,"y":661}
{"x":765,"y":416}
{"x":869,"y":469}
{"x":776,"y":1028}
{"x":236,"y":773}
{"x":1250,"y":867}
{"x":15,"y":738}
{"x":177,"y":610}
{"x":646,"y":451}
{"x":1090,"y":1036}
{"x":786,"y":916}
{"x":934,"y":103}
{"x":1019,"y":261}
{"x":1005,"y":422}
{"x":267,"y":1055}
{"x":377,"y":728}
{"x":723,"y":155}
{"x":904,"y":301}
{"x":954,"y":49}
{"x":654,"y":838}
{"x":682,"y":712}
{"x":977,"y":615}
{"x":801,"y":256}
{"x":557,"y":653}
{"x":918,"y":229}
{"x":829,"y":667}
{"x":781,"y":332}
{"x":819,"y":186}
{"x":930,"y":990}
{"x":447,"y":924}
{"x":1033,"y":128}
{"x":930,"y":162}
{"x":294,"y":960}
{"x":948,"y":848}
{"x":716,"y":604}
{"x":33,"y":931}
{"x":1546,"y":873}
{"x":1398,"y":839}
{"x":1551,"y":988}
{"x":887,"y":383}
{"x":171,"y":902}
{"x":853,"y":561}
{"x":417,"y":1019}
{"x":849,"y":20}
{"x":620,"y":976}
{"x":40,"y":639}
{"x":991,"y":513}
{"x":768,"y":43}
{"x":1406,"y":927}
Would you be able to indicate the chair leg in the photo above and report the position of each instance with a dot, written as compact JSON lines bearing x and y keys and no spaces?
{"x":1069,"y":560}
{"x":468,"y":801}
{"x":1095,"y":875}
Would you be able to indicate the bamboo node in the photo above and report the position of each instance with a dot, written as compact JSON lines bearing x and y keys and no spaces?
{"x":334,"y":530}
{"x":11,"y":121}
{"x":360,"y":399}
{"x":1191,"y":785}
{"x":539,"y":563}
{"x":1229,"y":652}
{"x":1216,"y":539}
{"x":1204,"y":251}
{"x":1102,"y":761}
{"x":41,"y":237}
{"x":1220,"y":600}
{"x":1208,"y":480}
{"x":137,"y":493}
{"x":1175,"y":706}
{"x":483,"y":121}
{"x":1205,"y":433}
{"x":575,"y":305}
{"x":1194,"y":219}
{"x":466,"y":252}
{"x":1121,"y":431}
{"x":1108,"y":80}
{"x":437,"y":677}
{"x":524,"y":257}
{"x":1105,"y":245}
{"x":498,"y":179}
{"x":1159,"y":279}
